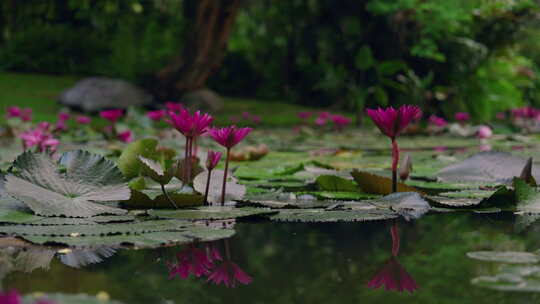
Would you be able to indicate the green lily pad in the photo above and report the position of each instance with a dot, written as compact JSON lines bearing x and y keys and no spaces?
{"x":211,"y":213}
{"x":129,"y":163}
{"x":324,"y":216}
{"x":340,"y":195}
{"x":72,"y":187}
{"x":335,"y":183}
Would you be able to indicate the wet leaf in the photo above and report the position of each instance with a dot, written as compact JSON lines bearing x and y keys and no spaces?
{"x":410,"y":205}
{"x":234,"y":191}
{"x":486,"y":167}
{"x":155,"y":171}
{"x":335,"y":183}
{"x":323,"y":216}
{"x":129,"y":163}
{"x":375,"y":184}
{"x":211,"y":213}
{"x":72,"y":187}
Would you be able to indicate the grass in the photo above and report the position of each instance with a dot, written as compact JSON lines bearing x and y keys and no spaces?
{"x":40,"y":92}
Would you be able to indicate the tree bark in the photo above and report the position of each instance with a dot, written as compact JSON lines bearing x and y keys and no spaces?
{"x":204,"y":49}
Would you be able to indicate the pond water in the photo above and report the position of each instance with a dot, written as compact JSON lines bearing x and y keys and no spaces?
{"x":311,"y":263}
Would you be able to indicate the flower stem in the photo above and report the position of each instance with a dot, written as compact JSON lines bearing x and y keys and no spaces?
{"x":395,"y":239}
{"x":183,"y":174}
{"x":188,"y":161}
{"x":395,"y":160}
{"x":207,"y":188}
{"x":167,"y":196}
{"x":223,"y":188}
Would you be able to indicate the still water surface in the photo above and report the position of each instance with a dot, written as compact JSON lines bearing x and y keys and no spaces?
{"x":312,"y":263}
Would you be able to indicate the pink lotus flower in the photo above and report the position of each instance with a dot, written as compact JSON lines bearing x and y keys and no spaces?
{"x":500,"y":116}
{"x":156,"y":115}
{"x":26,"y":114}
{"x":83,"y":120}
{"x":392,"y":122}
{"x":63,"y":116}
{"x":462,"y":116}
{"x":181,"y":121}
{"x":13,"y":112}
{"x":304,"y":115}
{"x":173,"y":106}
{"x":340,"y":121}
{"x":212,"y":159}
{"x":393,"y":277}
{"x":437,"y":121}
{"x":229,"y":137}
{"x":112,"y":115}
{"x":228,"y":274}
{"x":325,"y":115}
{"x":125,"y":136}
{"x":484,"y":132}
{"x":200,"y":123}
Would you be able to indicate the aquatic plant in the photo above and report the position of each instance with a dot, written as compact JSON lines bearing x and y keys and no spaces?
{"x":228,"y":137}
{"x":83,"y":120}
{"x":156,"y":115}
{"x":125,"y":136}
{"x":16,"y":112}
{"x":462,"y":117}
{"x":392,"y":123}
{"x":112,"y":115}
{"x":174,"y":106}
{"x":39,"y":138}
{"x":191,"y":126}
{"x":228,"y":274}
{"x":190,"y":261}
{"x":340,"y":121}
{"x":437,"y":121}
{"x":212,"y":160}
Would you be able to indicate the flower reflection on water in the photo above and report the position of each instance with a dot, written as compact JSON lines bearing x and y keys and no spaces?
{"x":207,"y":261}
{"x":393,"y":276}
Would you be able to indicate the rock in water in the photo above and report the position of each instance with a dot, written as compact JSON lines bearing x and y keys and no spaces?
{"x":98,"y":93}
{"x":204,"y":100}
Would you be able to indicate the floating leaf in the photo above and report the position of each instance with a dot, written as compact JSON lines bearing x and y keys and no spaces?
{"x":486,"y":167}
{"x":72,"y":187}
{"x":340,"y":195}
{"x":410,"y":205}
{"x":512,"y":278}
{"x":323,"y":216}
{"x":335,"y":183}
{"x":375,"y":184}
{"x":235,"y":191}
{"x":129,"y":163}
{"x":154,"y":170}
{"x":211,"y":213}
{"x":61,"y":298}
{"x":511,"y":257}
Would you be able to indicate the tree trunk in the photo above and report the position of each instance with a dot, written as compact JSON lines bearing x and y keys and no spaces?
{"x":204,"y":49}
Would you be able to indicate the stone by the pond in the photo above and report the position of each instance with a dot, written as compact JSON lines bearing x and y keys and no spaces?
{"x":97,"y":93}
{"x":204,"y":100}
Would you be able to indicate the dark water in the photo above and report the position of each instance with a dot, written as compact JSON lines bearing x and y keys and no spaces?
{"x":309,"y":263}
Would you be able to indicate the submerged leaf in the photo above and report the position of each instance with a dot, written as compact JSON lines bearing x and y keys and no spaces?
{"x":72,"y":187}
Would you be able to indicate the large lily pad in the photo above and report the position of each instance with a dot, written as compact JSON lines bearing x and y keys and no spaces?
{"x":375,"y":184}
{"x":72,"y":187}
{"x":486,"y":167}
{"x":410,"y":205}
{"x":329,"y":216}
{"x":234,"y":191}
{"x":211,"y":213}
{"x":129,"y":162}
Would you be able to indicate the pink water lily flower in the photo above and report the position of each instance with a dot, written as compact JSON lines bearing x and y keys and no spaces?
{"x":340,"y":121}
{"x":63,"y":116}
{"x":41,"y":140}
{"x":181,"y":121}
{"x":319,"y":121}
{"x":229,"y":137}
{"x":26,"y":114}
{"x":212,"y":159}
{"x":125,"y":136}
{"x":437,"y":121}
{"x":112,"y":115}
{"x":156,"y":115}
{"x":484,"y":132}
{"x":174,"y":106}
{"x":13,"y":112}
{"x":83,"y":120}
{"x":60,"y":126}
{"x":392,"y":122}
{"x":200,"y":123}
{"x":44,"y":126}
{"x":393,"y":276}
{"x":229,"y":274}
{"x":462,"y":116}
{"x":304,"y":115}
